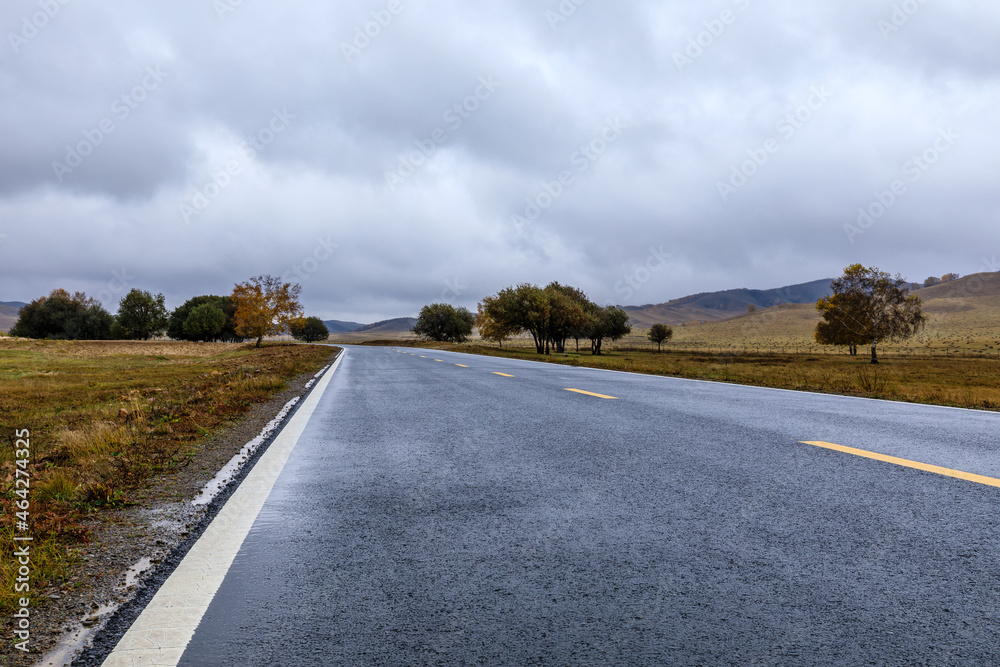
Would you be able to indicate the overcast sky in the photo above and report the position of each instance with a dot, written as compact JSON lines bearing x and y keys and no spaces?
{"x":391,"y":154}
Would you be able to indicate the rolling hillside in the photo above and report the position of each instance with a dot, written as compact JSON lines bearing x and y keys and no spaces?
{"x":717,"y":306}
{"x":8,"y":314}
{"x":337,"y":326}
{"x":964,"y":315}
{"x":389,"y":329}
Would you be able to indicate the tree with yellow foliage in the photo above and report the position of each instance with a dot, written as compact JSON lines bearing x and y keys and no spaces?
{"x":265,"y":306}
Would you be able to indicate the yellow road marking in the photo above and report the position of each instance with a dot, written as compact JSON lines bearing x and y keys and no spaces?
{"x":461,"y":365}
{"x":948,"y":472}
{"x":422,"y":356}
{"x":441,"y":360}
{"x":504,"y":375}
{"x":588,"y":393}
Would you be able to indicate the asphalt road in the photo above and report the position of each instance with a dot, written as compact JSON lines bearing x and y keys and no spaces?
{"x":446,"y":515}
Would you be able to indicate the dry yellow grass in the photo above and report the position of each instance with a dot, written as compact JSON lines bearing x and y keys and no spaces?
{"x":105,"y":416}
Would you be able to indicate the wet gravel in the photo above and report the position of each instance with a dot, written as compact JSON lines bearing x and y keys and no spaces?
{"x":155,"y":532}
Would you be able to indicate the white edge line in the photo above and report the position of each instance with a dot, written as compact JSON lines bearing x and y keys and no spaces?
{"x":161,"y":633}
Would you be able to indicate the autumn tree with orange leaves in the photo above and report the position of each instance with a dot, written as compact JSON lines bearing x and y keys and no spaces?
{"x":265,"y":306}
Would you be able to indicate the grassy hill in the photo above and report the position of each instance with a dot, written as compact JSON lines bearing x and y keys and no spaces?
{"x":8,"y":314}
{"x":964,"y":317}
{"x":717,"y":306}
{"x":337,"y":326}
{"x":397,"y":329}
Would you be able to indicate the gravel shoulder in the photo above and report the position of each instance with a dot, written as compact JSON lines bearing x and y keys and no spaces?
{"x":131,"y":548}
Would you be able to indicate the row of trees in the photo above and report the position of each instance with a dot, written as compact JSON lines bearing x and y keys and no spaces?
{"x":553,"y":315}
{"x":868,"y":307}
{"x":262,"y":306}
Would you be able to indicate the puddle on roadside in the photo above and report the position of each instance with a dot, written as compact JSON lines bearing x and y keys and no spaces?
{"x":228,"y":471}
{"x":78,"y":637}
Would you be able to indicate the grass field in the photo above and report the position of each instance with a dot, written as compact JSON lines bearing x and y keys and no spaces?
{"x":105,"y":416}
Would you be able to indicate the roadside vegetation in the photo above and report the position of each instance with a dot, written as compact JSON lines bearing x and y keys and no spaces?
{"x":262,"y":306}
{"x":868,"y":308}
{"x":105,"y":417}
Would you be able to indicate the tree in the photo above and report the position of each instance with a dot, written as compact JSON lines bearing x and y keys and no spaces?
{"x":869,"y":306}
{"x":309,"y":329}
{"x":265,"y":306}
{"x":204,"y":323}
{"x":175,"y":329}
{"x":834,"y":329}
{"x":948,"y":277}
{"x":496,"y":320}
{"x":443,"y":322}
{"x":141,"y":315}
{"x":659,"y":333}
{"x":931,"y":281}
{"x":610,"y":322}
{"x":61,"y":316}
{"x":567,"y":309}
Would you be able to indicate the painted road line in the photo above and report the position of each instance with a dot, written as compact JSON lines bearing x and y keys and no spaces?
{"x":503,"y":375}
{"x":590,"y":393}
{"x":165,"y":627}
{"x":441,"y":360}
{"x":948,"y":472}
{"x":461,"y":365}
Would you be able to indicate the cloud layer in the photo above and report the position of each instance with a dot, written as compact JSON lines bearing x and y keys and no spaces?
{"x":390,"y":154}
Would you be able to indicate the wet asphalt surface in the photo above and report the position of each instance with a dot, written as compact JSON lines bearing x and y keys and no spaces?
{"x":439,"y":515}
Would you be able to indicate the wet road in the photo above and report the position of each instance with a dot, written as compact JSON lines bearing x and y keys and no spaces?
{"x":459,"y":510}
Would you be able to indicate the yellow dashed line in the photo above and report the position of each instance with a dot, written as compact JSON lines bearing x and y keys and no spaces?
{"x":503,"y":375}
{"x":589,"y":393}
{"x":948,"y":472}
{"x":461,"y":365}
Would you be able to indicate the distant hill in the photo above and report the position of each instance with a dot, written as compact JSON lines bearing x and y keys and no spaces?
{"x":398,"y":325}
{"x":337,"y":326}
{"x":716,"y":306}
{"x":964,"y":315}
{"x":8,"y":314}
